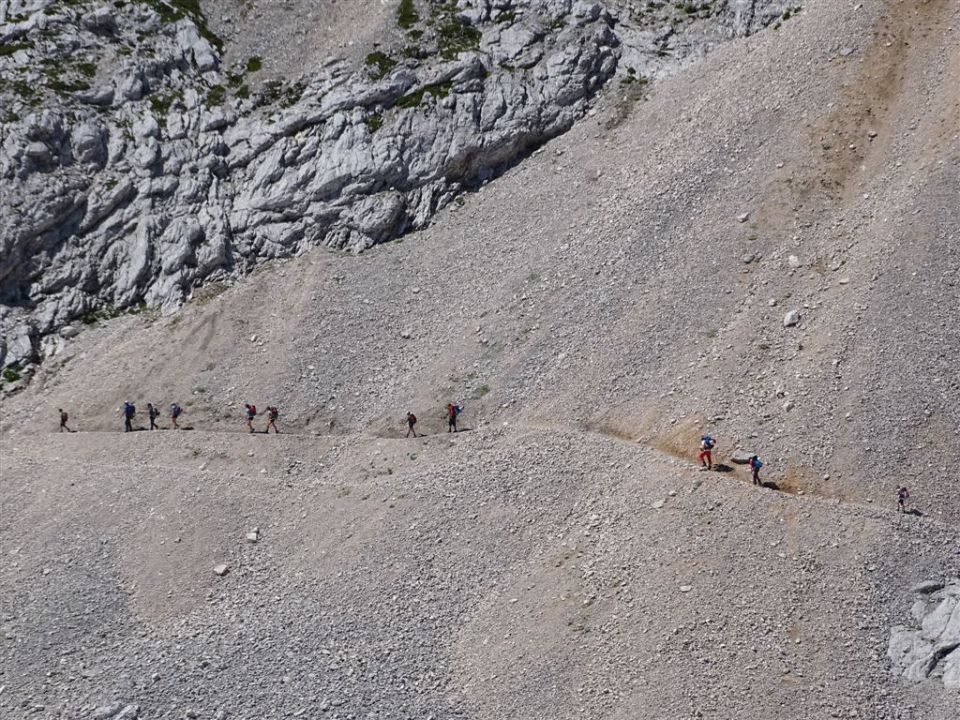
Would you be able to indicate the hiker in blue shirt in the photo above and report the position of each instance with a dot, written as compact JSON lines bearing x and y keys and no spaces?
{"x":129,"y":410}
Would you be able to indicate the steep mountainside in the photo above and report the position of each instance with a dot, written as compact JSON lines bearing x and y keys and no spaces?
{"x":144,"y":154}
{"x":764,"y":248}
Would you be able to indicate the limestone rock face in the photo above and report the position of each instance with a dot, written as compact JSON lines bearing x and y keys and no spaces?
{"x":929,"y":646}
{"x":140,"y":168}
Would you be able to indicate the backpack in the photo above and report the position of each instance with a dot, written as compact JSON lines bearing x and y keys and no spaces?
{"x":253,"y":410}
{"x":274,"y":412}
{"x":175,"y":411}
{"x":129,"y":410}
{"x":756,"y":464}
{"x":708,"y":442}
{"x":154,"y":413}
{"x":458,"y":408}
{"x":411,"y":418}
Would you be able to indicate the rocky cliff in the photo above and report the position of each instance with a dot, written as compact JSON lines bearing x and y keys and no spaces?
{"x":137,"y":166}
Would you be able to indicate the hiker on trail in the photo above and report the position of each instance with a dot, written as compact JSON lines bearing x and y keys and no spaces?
{"x":153,"y":413}
{"x":63,"y":420}
{"x":706,"y":451}
{"x":175,"y":411}
{"x":129,"y":410}
{"x":273,"y":412}
{"x":902,"y":496}
{"x":411,"y":424}
{"x":251,"y":412}
{"x":755,"y":466}
{"x":452,"y":412}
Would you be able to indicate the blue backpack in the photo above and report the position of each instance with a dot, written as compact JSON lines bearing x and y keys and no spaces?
{"x":708,"y":442}
{"x":757,"y":464}
{"x":129,"y":410}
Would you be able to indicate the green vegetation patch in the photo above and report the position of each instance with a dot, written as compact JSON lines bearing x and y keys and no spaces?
{"x":455,"y":35}
{"x":173,"y":10}
{"x":92,"y":317}
{"x":374,"y":122}
{"x":382,"y":62}
{"x":276,"y":92}
{"x":7,"y":49}
{"x":87,"y":69}
{"x":161,"y":102}
{"x":415,"y":99}
{"x":64,"y":85}
{"x":254,"y":64}
{"x":216,"y":95}
{"x":12,"y":373}
{"x":407,"y":15}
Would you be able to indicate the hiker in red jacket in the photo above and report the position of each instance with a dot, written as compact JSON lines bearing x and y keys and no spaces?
{"x":452,"y":417}
{"x":706,"y":452}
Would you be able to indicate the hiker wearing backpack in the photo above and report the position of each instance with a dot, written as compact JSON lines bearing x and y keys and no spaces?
{"x":153,"y":413}
{"x":272,"y":414}
{"x":175,"y":411}
{"x":755,"y":466}
{"x":129,"y":410}
{"x":63,"y":420}
{"x":903,"y":495}
{"x":411,"y":424}
{"x":707,"y":444}
{"x":251,"y":413}
{"x":452,"y":412}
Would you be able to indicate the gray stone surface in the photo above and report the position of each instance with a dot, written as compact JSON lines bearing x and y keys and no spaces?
{"x":143,"y":168}
{"x":929,"y":647}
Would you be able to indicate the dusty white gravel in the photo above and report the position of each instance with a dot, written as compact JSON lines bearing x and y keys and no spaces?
{"x":594,"y":311}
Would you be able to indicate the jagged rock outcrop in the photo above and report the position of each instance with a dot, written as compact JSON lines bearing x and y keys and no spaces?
{"x":136,"y":167}
{"x":929,"y":647}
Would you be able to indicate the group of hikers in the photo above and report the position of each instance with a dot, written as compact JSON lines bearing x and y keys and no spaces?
{"x":129,"y":412}
{"x":707,"y":444}
{"x":273,"y":412}
{"x":453,"y":410}
{"x":452,"y":413}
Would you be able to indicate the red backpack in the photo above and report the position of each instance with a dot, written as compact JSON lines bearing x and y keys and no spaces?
{"x":253,"y":410}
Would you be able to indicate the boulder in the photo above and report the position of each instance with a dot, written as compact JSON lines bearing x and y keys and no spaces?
{"x":101,"y":96}
{"x":100,"y":21}
{"x":89,"y":143}
{"x":929,"y":647}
